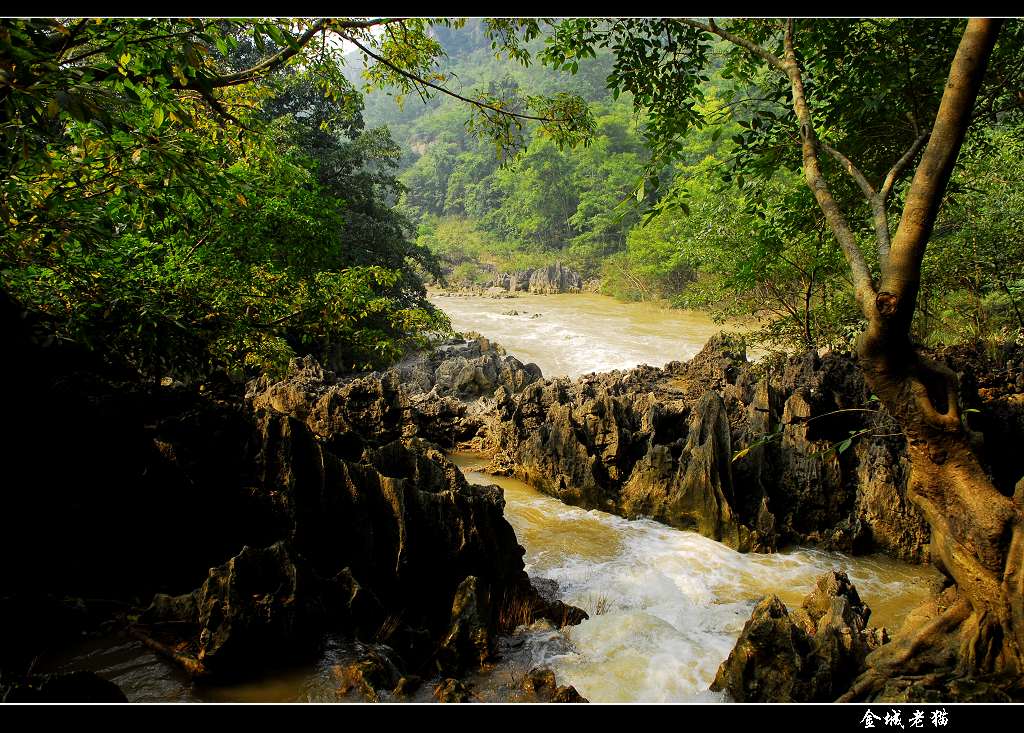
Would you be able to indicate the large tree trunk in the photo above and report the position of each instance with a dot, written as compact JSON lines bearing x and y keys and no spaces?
{"x":977,"y":532}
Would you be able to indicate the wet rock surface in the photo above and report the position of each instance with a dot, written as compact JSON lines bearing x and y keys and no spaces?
{"x":373,"y":672}
{"x":750,"y":455}
{"x":453,"y":690}
{"x":809,"y":654}
{"x":540,"y":683}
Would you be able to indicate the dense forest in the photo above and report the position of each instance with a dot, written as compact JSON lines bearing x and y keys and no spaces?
{"x":265,"y":226}
{"x":708,"y":238}
{"x":240,"y":417}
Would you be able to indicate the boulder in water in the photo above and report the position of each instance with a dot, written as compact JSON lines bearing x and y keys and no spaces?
{"x":373,"y":672}
{"x":541,"y":684}
{"x":453,"y":690}
{"x":811,"y":654}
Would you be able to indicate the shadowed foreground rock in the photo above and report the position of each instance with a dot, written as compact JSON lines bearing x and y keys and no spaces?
{"x":254,"y":528}
{"x":68,"y":687}
{"x":395,"y":548}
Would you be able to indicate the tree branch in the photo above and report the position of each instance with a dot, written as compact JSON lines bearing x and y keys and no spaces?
{"x":849,"y":167}
{"x":73,"y":35}
{"x":418,"y":80}
{"x":268,"y":64}
{"x":711,"y":27}
{"x":863,"y":283}
{"x":901,"y":276}
{"x":875,"y":199}
{"x":899,"y":165}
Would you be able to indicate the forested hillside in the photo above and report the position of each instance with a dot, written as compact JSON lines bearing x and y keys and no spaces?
{"x":709,"y":237}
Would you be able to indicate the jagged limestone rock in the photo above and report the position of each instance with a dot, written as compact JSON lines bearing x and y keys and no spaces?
{"x":810,"y":654}
{"x":765,"y":472}
{"x":469,"y":635}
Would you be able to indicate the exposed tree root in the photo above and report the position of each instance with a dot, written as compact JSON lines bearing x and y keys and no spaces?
{"x":977,"y":536}
{"x":190,"y":664}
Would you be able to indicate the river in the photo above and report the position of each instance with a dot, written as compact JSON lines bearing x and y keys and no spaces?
{"x":666,"y":606}
{"x":571,"y":335}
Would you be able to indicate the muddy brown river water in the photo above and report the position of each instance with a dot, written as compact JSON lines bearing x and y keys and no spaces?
{"x":571,"y":335}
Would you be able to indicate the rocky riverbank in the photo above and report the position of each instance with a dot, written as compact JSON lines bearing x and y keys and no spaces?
{"x":231,"y":536}
{"x":753,"y":455}
{"x":552,"y":279}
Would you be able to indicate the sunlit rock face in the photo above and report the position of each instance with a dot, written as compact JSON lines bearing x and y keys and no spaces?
{"x":808,"y":654}
{"x":750,"y":456}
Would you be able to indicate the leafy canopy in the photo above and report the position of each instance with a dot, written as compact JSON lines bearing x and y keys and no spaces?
{"x":177,"y":193}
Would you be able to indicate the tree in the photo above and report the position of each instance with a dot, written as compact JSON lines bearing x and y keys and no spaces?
{"x":768,"y":257}
{"x":195,"y":195}
{"x":888,"y":94}
{"x":973,"y":271}
{"x":181,"y":195}
{"x":539,"y":197}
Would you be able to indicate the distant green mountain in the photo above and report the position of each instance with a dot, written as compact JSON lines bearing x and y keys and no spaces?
{"x":470,"y":65}
{"x":548,"y":204}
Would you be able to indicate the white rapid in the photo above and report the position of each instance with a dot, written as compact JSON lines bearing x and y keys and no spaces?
{"x":665,"y":606}
{"x":583,"y":333}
